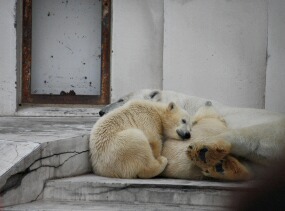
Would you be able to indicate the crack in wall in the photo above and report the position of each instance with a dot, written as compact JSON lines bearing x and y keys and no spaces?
{"x":16,"y":149}
{"x":56,"y":154}
{"x":15,"y":180}
{"x":57,"y":166}
{"x":40,"y":193}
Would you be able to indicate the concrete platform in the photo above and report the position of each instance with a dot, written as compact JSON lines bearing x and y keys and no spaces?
{"x":44,"y":165}
{"x":103,"y":206}
{"x":88,"y":192}
{"x":35,"y":149}
{"x":157,"y":191}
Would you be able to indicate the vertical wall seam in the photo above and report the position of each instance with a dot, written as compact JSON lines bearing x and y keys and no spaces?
{"x":163,"y":41}
{"x":266,"y":56}
{"x":18,"y":21}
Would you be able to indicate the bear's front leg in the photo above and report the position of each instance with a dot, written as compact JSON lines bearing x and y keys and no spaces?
{"x":208,"y":153}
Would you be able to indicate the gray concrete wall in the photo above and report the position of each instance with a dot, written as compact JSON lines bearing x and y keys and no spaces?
{"x":137,"y":44}
{"x":7,"y":57}
{"x":275,"y":75}
{"x":216,"y":49}
{"x":209,"y":48}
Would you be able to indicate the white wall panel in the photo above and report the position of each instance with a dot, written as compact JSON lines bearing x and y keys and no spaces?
{"x":137,"y":41}
{"x":212,"y":48}
{"x":275,"y":77}
{"x":7,"y":57}
{"x":216,"y":49}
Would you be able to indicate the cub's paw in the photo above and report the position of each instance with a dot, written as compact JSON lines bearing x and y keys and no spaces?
{"x":206,"y":154}
{"x":228,"y":168}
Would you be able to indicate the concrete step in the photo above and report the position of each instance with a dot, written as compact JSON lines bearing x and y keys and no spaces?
{"x":91,"y":188}
{"x":104,"y":206}
{"x":36,"y":149}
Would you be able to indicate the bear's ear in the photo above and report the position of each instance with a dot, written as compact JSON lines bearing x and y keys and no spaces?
{"x":155,"y":96}
{"x":171,"y":106}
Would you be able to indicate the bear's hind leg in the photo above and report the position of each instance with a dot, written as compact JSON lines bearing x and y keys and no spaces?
{"x":134,"y":156}
{"x":228,"y":168}
{"x":208,"y":153}
{"x":154,"y":167}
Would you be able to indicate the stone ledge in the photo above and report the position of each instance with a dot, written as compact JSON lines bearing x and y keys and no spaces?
{"x":37,"y":149}
{"x":56,"y":111}
{"x":158,"y":190}
{"x":80,"y":206}
{"x":40,"y":149}
{"x":25,"y":184}
{"x":156,"y":182}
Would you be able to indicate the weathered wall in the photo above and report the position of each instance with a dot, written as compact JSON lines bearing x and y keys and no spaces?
{"x":137,"y":42}
{"x":216,"y":49}
{"x":7,"y":57}
{"x":209,"y":48}
{"x":275,"y":75}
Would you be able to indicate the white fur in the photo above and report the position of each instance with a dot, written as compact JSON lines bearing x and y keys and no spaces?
{"x":255,"y":134}
{"x":127,"y":142}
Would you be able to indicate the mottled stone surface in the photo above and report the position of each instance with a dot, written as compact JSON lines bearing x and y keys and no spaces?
{"x":42,"y":158}
{"x":103,"y":206}
{"x":91,"y":192}
{"x":35,"y":149}
{"x":44,"y":129}
{"x":70,"y":111}
{"x":12,"y":152}
{"x":157,"y":191}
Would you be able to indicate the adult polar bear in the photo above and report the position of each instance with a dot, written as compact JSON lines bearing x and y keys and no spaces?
{"x":255,"y":134}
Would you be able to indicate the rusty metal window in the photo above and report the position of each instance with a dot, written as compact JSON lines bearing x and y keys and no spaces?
{"x":94,"y":95}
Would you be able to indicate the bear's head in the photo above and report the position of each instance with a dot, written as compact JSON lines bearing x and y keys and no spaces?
{"x":176,"y":123}
{"x":208,"y":114}
{"x":143,"y":94}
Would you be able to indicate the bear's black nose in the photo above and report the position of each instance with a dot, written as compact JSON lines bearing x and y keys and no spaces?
{"x":183,"y":135}
{"x":101,"y":113}
{"x":187,"y":135}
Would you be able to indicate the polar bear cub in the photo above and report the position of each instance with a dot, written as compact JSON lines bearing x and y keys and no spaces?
{"x":127,"y":142}
{"x":182,"y":164}
{"x":207,"y":122}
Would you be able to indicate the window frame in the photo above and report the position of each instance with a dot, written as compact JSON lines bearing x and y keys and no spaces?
{"x":28,"y":97}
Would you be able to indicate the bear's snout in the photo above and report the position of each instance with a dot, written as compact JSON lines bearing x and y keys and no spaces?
{"x":187,"y":135}
{"x":101,"y":113}
{"x":183,"y":135}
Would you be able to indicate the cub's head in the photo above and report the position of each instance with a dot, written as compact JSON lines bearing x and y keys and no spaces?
{"x":176,"y":123}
